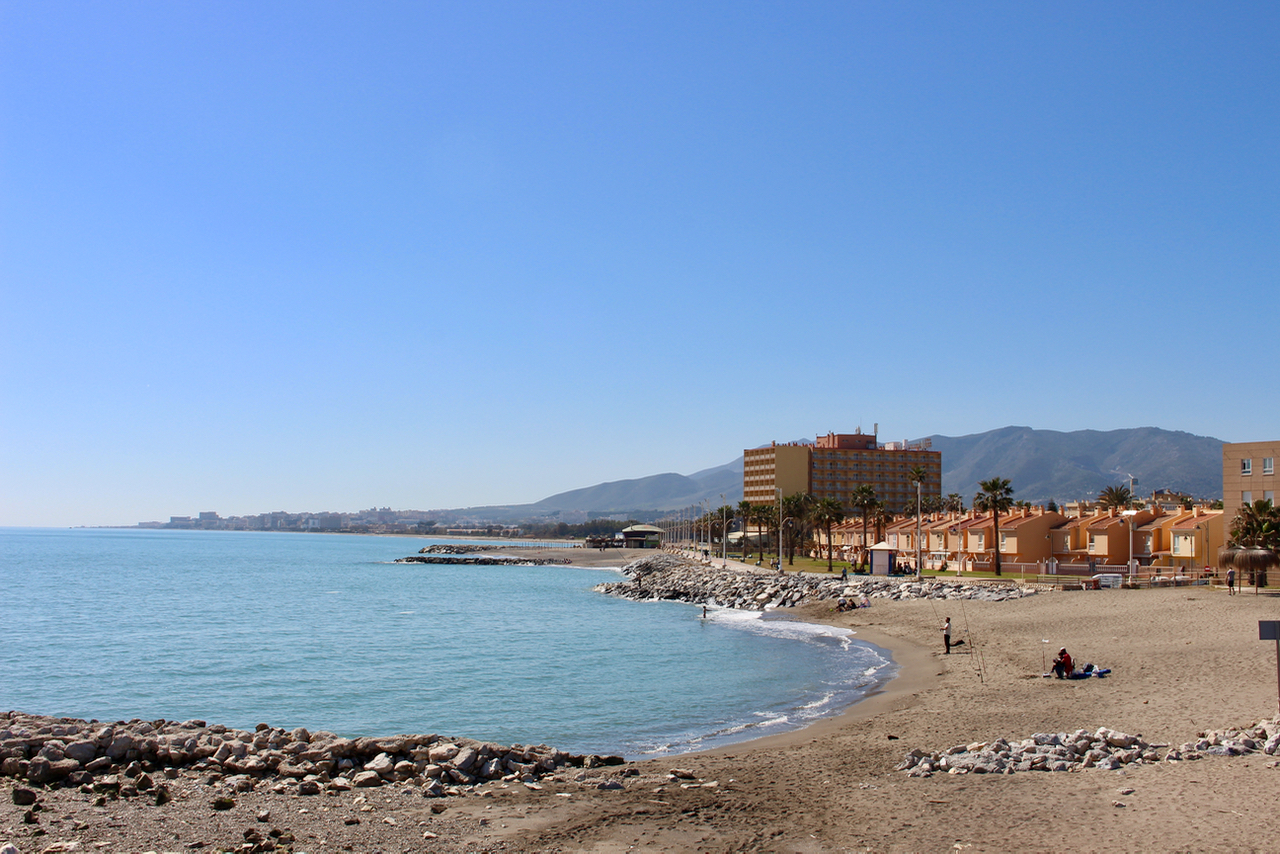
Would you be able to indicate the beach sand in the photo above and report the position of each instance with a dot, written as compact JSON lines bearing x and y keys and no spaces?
{"x":1184,"y":660}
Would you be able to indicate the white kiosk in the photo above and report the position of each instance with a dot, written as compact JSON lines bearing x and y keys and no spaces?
{"x":882,"y":558}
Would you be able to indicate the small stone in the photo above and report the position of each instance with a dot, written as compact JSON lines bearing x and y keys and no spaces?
{"x":222,"y":803}
{"x":24,"y":797}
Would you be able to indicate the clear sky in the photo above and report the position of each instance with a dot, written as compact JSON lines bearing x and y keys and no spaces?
{"x":325,"y":256}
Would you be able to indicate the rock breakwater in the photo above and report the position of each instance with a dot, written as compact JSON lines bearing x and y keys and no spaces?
{"x":1104,"y":748}
{"x":133,"y":758}
{"x":484,"y":560}
{"x":666,"y":576}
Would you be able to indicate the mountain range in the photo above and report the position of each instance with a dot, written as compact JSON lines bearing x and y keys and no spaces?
{"x":1041,"y":465}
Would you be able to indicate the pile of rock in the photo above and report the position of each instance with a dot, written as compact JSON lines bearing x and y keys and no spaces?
{"x":121,"y":758}
{"x":450,"y":549}
{"x":484,"y":560}
{"x":1264,"y":736}
{"x":1105,"y":748}
{"x":665,"y":576}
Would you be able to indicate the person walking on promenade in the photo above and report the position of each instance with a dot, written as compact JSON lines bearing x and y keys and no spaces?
{"x":1231,"y":581}
{"x":946,"y":636}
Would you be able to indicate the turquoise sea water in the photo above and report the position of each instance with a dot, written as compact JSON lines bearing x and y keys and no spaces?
{"x":326,"y":632}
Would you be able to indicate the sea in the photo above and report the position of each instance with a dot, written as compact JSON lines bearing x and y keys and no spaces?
{"x":327,"y":632}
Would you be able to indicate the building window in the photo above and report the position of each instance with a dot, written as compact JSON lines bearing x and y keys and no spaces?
{"x":1269,"y":495}
{"x":1268,"y":465}
{"x":1246,"y":497}
{"x":1093,"y":541}
{"x":1177,"y":544}
{"x":1246,"y":467}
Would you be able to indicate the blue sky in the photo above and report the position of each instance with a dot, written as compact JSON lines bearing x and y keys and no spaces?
{"x":306,"y":256}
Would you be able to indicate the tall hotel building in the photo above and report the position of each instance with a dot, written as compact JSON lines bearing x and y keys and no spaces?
{"x":838,"y":463}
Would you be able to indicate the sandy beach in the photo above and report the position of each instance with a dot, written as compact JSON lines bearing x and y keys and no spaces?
{"x":1184,"y":660}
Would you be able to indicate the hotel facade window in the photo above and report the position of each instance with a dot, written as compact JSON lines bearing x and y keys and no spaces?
{"x":1246,"y":497}
{"x":1246,"y":467}
{"x":1268,"y":465}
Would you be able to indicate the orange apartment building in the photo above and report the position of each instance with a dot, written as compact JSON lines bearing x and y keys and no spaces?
{"x":837,"y":464}
{"x":1248,"y":474}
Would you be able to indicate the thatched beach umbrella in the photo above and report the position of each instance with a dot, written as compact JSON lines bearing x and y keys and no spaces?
{"x":1251,"y":559}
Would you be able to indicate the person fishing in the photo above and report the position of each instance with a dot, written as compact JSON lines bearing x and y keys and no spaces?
{"x":1063,"y":666}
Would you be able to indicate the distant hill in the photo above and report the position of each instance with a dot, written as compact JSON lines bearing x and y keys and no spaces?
{"x":1048,"y":464}
{"x":1040,"y":465}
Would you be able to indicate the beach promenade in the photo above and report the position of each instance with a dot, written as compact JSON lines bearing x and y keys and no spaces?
{"x":1184,"y":661}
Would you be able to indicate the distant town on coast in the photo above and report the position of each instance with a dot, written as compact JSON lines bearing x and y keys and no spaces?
{"x":1043,"y":467}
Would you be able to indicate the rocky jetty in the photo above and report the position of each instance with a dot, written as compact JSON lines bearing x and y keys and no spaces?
{"x":484,"y":560}
{"x":1104,"y":748}
{"x":453,"y":549}
{"x":134,"y":758}
{"x":666,"y":576}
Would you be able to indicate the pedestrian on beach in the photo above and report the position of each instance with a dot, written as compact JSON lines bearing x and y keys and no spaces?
{"x":1231,"y":582}
{"x":844,"y":573}
{"x":946,"y":635}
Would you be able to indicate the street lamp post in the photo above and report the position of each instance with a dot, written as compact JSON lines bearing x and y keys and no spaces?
{"x":778,"y":492}
{"x":724,"y":533}
{"x":919,"y":565}
{"x":1131,"y":516}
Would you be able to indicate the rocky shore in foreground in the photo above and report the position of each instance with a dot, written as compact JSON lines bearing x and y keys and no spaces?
{"x":134,"y":758}
{"x":673,"y":577}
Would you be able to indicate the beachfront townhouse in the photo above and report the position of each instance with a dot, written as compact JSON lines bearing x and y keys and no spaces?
{"x":941,"y":535}
{"x":900,"y":535}
{"x":1025,"y":534}
{"x":1195,"y":539}
{"x":1149,"y":537}
{"x":1076,"y":544}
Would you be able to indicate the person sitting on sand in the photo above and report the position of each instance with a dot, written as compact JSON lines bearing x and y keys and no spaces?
{"x":1063,"y":666}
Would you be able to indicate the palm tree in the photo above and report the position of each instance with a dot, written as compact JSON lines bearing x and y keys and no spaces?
{"x":744,"y":513}
{"x":796,"y":509}
{"x":954,"y":502}
{"x":864,"y":501}
{"x":1117,"y":497}
{"x":825,"y":514}
{"x":880,"y":517}
{"x":1255,"y":540}
{"x":766,"y":521}
{"x":996,"y":497}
